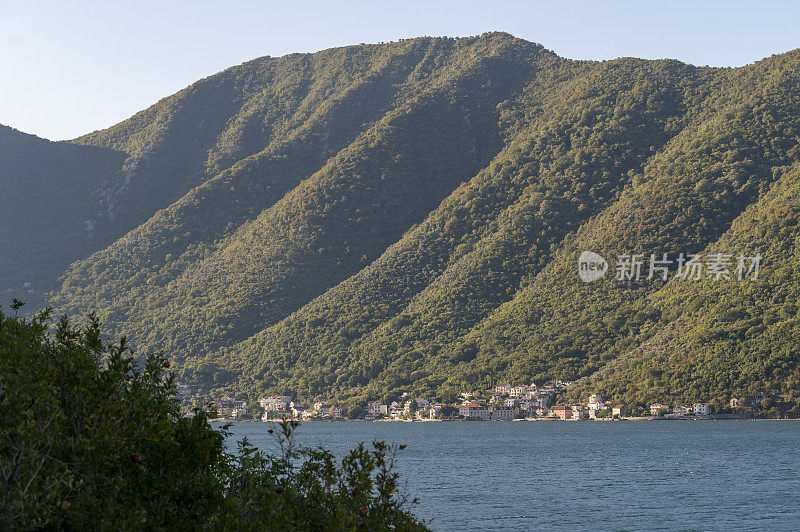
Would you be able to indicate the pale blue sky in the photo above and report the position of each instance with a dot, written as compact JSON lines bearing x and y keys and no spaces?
{"x":71,"y":67}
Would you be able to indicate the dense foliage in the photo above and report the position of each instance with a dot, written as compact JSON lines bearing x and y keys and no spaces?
{"x":400,"y":217}
{"x":91,"y":439}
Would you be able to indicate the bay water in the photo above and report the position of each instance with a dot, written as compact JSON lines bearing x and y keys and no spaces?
{"x":580,"y":475}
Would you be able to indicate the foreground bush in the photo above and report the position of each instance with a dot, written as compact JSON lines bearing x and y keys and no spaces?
{"x":91,"y":439}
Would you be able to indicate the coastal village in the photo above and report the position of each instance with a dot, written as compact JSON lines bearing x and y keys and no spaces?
{"x":505,"y":402}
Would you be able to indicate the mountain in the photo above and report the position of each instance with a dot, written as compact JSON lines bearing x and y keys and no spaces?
{"x":45,"y":204}
{"x":408,"y":216}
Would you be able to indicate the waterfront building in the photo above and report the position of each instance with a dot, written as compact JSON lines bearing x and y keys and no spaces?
{"x":376,"y":409}
{"x":275,"y":402}
{"x":503,"y":413}
{"x":579,"y":412}
{"x":596,"y":402}
{"x":562,"y":411}
{"x":323,"y":408}
{"x":270,"y":415}
{"x":657,"y":408}
{"x":474,"y":411}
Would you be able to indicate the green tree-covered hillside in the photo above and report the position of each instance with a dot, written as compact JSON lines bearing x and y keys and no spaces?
{"x":408,"y":216}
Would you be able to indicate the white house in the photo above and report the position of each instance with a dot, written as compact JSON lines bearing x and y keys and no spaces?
{"x":395,"y":410}
{"x":336,"y":412}
{"x":579,"y":412}
{"x":596,"y":402}
{"x":518,"y":391}
{"x":502,"y":389}
{"x":323,"y":407}
{"x":275,"y":402}
{"x":700,"y":409}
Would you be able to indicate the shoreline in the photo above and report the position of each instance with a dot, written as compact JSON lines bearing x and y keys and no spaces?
{"x":724,"y":417}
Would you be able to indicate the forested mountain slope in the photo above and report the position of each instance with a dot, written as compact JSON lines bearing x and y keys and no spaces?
{"x":495,"y":314}
{"x":408,"y":217}
{"x":45,"y":200}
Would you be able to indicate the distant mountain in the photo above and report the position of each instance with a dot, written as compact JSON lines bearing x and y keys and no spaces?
{"x":408,"y":217}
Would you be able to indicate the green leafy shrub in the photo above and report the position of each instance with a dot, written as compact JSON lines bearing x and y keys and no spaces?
{"x":92,"y":437}
{"x":305,"y":489}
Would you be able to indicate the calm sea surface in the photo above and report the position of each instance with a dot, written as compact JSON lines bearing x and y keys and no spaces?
{"x":660,"y":475}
